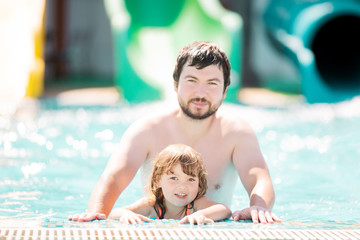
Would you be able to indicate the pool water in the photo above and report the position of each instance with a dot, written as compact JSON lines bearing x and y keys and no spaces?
{"x":52,"y":155}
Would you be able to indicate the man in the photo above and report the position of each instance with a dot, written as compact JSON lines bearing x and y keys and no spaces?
{"x":226,"y":142}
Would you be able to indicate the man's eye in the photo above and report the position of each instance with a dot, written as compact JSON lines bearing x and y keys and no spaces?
{"x":214,"y":83}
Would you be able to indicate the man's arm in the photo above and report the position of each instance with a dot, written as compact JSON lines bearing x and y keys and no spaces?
{"x":254,"y":175}
{"x":120,"y":170}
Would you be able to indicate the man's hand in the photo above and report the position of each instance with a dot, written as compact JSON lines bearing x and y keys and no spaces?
{"x":86,"y":217}
{"x":199,"y":219}
{"x":256,"y":214}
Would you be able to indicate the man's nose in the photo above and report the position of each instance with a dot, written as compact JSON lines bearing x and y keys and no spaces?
{"x":200,"y":91}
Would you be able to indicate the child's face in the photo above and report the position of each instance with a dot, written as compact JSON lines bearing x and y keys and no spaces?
{"x":178,"y":188}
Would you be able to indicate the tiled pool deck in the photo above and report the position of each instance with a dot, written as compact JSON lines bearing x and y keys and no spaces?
{"x":171,"y":229}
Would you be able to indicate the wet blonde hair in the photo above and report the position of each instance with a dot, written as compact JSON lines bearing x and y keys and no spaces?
{"x":191,"y":164}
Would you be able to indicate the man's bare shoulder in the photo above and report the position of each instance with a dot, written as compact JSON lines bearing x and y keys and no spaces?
{"x":155,"y":119}
{"x":233,"y":122}
{"x":147,"y":128}
{"x":152,"y":122}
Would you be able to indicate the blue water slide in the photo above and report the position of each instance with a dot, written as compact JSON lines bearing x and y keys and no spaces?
{"x":322,"y":39}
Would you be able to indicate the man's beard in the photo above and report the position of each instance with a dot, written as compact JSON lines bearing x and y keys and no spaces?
{"x":187,"y":111}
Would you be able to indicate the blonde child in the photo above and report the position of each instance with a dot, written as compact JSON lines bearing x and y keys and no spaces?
{"x":177,"y":187}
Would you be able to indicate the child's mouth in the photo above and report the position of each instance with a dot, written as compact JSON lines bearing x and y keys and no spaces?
{"x":180,"y":195}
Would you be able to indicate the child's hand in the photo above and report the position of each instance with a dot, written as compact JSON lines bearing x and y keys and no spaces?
{"x":197,"y":218}
{"x":133,"y":218}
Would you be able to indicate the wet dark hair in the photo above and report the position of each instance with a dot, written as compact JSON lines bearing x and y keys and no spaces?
{"x":203,"y":54}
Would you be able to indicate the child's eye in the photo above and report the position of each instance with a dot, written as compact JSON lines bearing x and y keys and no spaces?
{"x":191,"y":179}
{"x":173,"y":178}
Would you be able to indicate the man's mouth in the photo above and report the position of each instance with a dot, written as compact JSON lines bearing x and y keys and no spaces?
{"x":200,"y":102}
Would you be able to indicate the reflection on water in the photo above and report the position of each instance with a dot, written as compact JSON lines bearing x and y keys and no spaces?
{"x":51,"y":156}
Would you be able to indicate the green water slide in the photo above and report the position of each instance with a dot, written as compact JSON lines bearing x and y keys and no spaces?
{"x":322,"y":39}
{"x":148,"y":34}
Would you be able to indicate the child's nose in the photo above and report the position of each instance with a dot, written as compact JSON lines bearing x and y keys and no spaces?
{"x":182,"y":187}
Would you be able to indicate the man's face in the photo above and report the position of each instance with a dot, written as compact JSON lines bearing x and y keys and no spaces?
{"x":200,"y":91}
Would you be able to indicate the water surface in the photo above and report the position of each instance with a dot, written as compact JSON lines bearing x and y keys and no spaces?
{"x":52,"y":155}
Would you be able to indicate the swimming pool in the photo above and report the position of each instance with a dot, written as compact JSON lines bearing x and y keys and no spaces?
{"x":51,"y":156}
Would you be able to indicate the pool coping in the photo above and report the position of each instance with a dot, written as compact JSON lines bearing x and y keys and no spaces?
{"x":175,"y":233}
{"x":171,"y":229}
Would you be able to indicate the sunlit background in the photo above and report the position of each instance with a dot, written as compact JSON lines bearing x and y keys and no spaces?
{"x":298,"y":48}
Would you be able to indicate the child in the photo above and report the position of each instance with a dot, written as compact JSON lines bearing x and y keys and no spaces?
{"x":178,"y":184}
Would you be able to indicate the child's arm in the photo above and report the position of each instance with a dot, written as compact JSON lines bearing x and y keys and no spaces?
{"x":134,"y":213}
{"x":207,"y":211}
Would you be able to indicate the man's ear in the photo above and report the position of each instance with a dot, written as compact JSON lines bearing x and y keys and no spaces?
{"x":176,"y":84}
{"x":225,"y":92}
